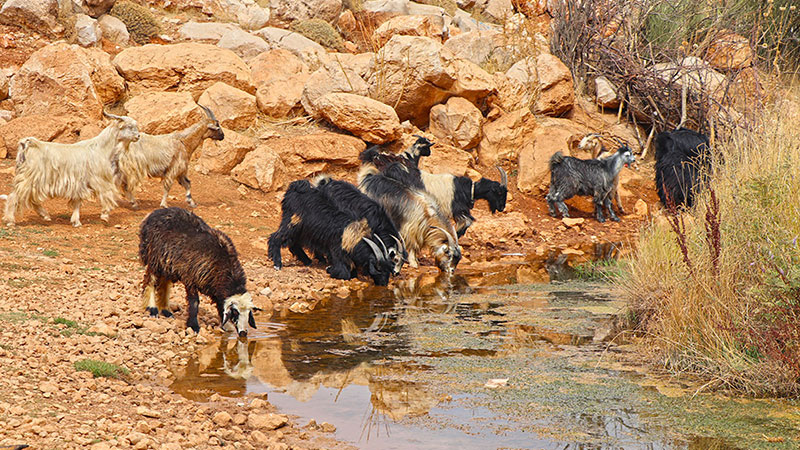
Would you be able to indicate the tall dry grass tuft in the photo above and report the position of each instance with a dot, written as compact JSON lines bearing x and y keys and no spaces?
{"x":716,"y":291}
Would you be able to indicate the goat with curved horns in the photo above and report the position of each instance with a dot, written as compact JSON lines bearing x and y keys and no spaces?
{"x":165,"y":156}
{"x":76,"y":171}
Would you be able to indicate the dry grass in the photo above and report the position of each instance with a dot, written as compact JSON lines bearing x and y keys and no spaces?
{"x":727,"y":307}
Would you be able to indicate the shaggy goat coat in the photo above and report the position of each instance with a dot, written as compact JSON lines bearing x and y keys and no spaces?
{"x":165,"y":156}
{"x":176,"y":245}
{"x":572,"y":176}
{"x":682,"y":159}
{"x":347,"y":197}
{"x":77,"y":172}
{"x":310,"y":220}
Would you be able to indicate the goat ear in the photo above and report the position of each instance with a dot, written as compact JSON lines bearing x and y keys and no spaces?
{"x":251,"y":320}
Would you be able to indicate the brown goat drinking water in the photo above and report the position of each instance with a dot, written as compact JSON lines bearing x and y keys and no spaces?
{"x":177,"y":245}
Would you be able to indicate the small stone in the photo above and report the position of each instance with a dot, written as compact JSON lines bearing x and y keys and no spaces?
{"x":266,"y":291}
{"x":573,"y":222}
{"x":640,"y":208}
{"x":259,"y":438}
{"x":48,"y":387}
{"x":267,"y":421}
{"x":102,"y":328}
{"x":147,"y":412}
{"x":495,"y":383}
{"x":222,"y":418}
{"x":258,"y":403}
{"x":327,"y":427}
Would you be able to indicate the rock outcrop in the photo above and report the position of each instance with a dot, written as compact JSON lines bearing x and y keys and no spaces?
{"x":366,"y":118}
{"x":233,"y":107}
{"x":261,"y":169}
{"x":222,"y":156}
{"x":163,"y":112}
{"x":36,"y":15}
{"x":458,"y":123}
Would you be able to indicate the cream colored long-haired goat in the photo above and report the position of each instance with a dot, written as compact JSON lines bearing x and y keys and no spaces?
{"x":165,"y":156}
{"x":77,"y":172}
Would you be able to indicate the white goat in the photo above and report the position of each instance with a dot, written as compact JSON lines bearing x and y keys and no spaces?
{"x":165,"y":156}
{"x":76,"y":172}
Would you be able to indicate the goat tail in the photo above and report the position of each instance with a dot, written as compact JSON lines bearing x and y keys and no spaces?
{"x":556,"y":159}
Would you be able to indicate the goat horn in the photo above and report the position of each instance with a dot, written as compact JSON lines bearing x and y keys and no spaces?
{"x":112,"y":116}
{"x":503,"y":177}
{"x":449,"y":236}
{"x":385,"y":250}
{"x":208,"y":112}
{"x":374,"y":248}
{"x":400,"y":243}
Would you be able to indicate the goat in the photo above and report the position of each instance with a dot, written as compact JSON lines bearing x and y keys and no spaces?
{"x":456,"y":195}
{"x":347,"y":197}
{"x":309,"y":219}
{"x":415,"y":213}
{"x":572,"y":176}
{"x":593,"y":143}
{"x":177,"y":245}
{"x":410,"y":158}
{"x":76,"y":172}
{"x":682,"y":158}
{"x":165,"y":156}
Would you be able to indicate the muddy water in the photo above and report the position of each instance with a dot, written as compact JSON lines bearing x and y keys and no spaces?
{"x":496,"y":358}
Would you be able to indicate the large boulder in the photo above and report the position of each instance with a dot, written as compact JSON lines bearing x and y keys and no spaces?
{"x":549,"y":137}
{"x":244,"y":44}
{"x":281,"y":97}
{"x":498,"y":10}
{"x":190,"y":67}
{"x":88,"y":31}
{"x":366,"y":118}
{"x":247,"y":13}
{"x":605,"y":93}
{"x":445,"y":159}
{"x":114,"y":30}
{"x":482,"y":47}
{"x":414,"y":73}
{"x":222,"y":156}
{"x":284,"y":12}
{"x":65,"y":80}
{"x":506,"y":137}
{"x":312,"y":154}
{"x":408,"y":26}
{"x":163,"y":112}
{"x":277,"y":64}
{"x":697,"y":73}
{"x":36,"y":15}
{"x":330,"y":78}
{"x":234,"y":108}
{"x":730,"y":51}
{"x":261,"y":169}
{"x":308,"y":50}
{"x":44,"y":127}
{"x":205,"y":31}
{"x":550,"y":78}
{"x":360,"y":63}
{"x":458,"y":123}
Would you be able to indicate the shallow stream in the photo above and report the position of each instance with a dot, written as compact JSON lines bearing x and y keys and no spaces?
{"x":498,"y":358}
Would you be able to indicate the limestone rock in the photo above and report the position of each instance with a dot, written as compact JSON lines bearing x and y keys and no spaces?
{"x":482,"y":47}
{"x":446,"y":159}
{"x":330,"y":78}
{"x":222,"y":156}
{"x":605,"y":93}
{"x":499,"y":10}
{"x":96,"y":8}
{"x":247,"y":13}
{"x":458,"y":123}
{"x":163,"y":112}
{"x":366,"y":118}
{"x":312,"y":154}
{"x":699,"y":75}
{"x":59,"y":80}
{"x":359,"y":63}
{"x":188,"y":67}
{"x":277,"y":64}
{"x":730,"y":51}
{"x":284,"y":12}
{"x":205,"y":31}
{"x":3,"y":86}
{"x":549,"y":137}
{"x":504,"y":138}
{"x":552,"y":79}
{"x":244,"y":44}
{"x":44,"y":127}
{"x":114,"y":30}
{"x":387,"y":6}
{"x":222,"y":418}
{"x":37,"y":15}
{"x":407,"y":26}
{"x":88,"y":31}
{"x":233,"y":108}
{"x":308,"y":50}
{"x":261,"y":169}
{"x":267,"y":421}
{"x":279,"y":98}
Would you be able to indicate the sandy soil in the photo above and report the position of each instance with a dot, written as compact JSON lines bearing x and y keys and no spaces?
{"x":69,"y":294}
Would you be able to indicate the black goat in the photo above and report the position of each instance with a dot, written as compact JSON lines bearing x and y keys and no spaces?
{"x":572,"y":176}
{"x":310,"y":220}
{"x":682,"y":160}
{"x":409,"y":158}
{"x":456,"y":195}
{"x":347,"y":197}
{"x":415,"y":213}
{"x":177,"y":245}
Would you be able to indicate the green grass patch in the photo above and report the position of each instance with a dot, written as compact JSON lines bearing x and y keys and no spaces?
{"x":600,"y":270}
{"x":50,"y":253}
{"x":100,"y":368}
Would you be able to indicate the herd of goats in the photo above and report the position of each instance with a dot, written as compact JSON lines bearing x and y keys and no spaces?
{"x":395,"y":211}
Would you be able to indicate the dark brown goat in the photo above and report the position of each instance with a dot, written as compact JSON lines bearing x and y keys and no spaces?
{"x":177,"y":245}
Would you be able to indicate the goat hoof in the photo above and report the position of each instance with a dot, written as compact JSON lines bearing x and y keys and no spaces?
{"x":615,"y":219}
{"x":166,"y":313}
{"x":152,"y":311}
{"x":47,"y":219}
{"x":76,"y":224}
{"x":278,"y":267}
{"x":104,"y":217}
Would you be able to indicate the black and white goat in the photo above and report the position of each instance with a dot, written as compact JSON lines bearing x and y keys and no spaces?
{"x":682,"y":160}
{"x":572,"y":176}
{"x":347,"y":197}
{"x":310,"y":220}
{"x":456,"y":195}
{"x":409,"y":158}
{"x":177,"y":245}
{"x":591,"y":142}
{"x":415,"y":213}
